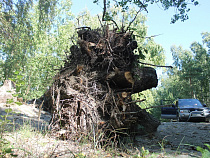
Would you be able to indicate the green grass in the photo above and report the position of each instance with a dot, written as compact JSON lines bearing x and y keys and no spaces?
{"x":205,"y":152}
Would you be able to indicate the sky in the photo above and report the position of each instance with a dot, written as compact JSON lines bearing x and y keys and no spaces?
{"x":158,"y":22}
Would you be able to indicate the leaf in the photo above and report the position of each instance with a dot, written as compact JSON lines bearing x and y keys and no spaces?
{"x":208,"y":145}
{"x":8,"y":110}
{"x":196,"y":3}
{"x":8,"y":150}
{"x":18,"y":103}
{"x":133,"y":29}
{"x":9,"y":101}
{"x":19,"y":76}
{"x":15,"y":95}
{"x":14,"y":155}
{"x":198,"y":148}
{"x":16,"y":72}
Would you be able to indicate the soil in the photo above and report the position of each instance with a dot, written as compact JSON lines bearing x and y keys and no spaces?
{"x":172,"y":139}
{"x":177,"y":138}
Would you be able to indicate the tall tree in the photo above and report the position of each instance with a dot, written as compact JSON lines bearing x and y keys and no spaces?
{"x":33,"y":42}
{"x":190,"y":76}
{"x":17,"y":32}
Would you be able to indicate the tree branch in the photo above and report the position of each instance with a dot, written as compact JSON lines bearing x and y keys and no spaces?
{"x":104,"y":14}
{"x":133,"y":20}
{"x":155,"y":65}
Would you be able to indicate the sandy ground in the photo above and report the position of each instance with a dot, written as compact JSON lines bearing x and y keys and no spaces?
{"x":185,"y":133}
{"x":172,"y":139}
{"x":177,"y":138}
{"x":26,"y":113}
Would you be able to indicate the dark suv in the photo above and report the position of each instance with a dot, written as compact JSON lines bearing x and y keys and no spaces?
{"x":186,"y":110}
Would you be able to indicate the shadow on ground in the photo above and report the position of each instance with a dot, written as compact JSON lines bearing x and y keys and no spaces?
{"x":24,"y":114}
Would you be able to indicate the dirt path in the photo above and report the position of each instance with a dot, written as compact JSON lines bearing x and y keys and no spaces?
{"x":185,"y":133}
{"x":177,"y":138}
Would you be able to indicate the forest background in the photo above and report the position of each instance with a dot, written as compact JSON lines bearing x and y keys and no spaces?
{"x":36,"y":34}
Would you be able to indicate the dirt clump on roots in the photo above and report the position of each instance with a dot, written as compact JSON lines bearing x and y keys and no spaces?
{"x":91,"y":95}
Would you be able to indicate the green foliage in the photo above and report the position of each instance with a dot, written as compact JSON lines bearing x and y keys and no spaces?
{"x":18,"y":79}
{"x":151,"y":99}
{"x":9,"y":101}
{"x":206,"y":39}
{"x":80,"y":155}
{"x":205,"y":152}
{"x":4,"y":122}
{"x":34,"y":39}
{"x":1,"y":70}
{"x":8,"y":111}
{"x":190,"y":76}
{"x":18,"y":103}
{"x":6,"y":148}
{"x":155,"y":53}
{"x":192,"y":71}
{"x":181,"y":6}
{"x":144,"y":152}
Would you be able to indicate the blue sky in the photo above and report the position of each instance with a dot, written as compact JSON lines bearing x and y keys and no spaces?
{"x":180,"y":33}
{"x":158,"y":22}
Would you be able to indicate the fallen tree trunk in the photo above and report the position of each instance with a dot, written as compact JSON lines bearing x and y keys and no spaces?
{"x":91,"y":95}
{"x":147,"y":79}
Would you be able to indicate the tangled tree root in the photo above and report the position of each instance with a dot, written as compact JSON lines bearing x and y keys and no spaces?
{"x":91,"y":95}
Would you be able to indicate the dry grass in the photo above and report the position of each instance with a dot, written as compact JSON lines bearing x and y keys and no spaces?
{"x":24,"y":135}
{"x":29,"y":142}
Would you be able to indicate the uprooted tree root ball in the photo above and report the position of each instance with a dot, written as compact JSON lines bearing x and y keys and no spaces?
{"x":91,"y":95}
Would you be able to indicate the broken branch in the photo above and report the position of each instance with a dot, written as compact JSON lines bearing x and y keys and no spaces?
{"x":155,"y":65}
